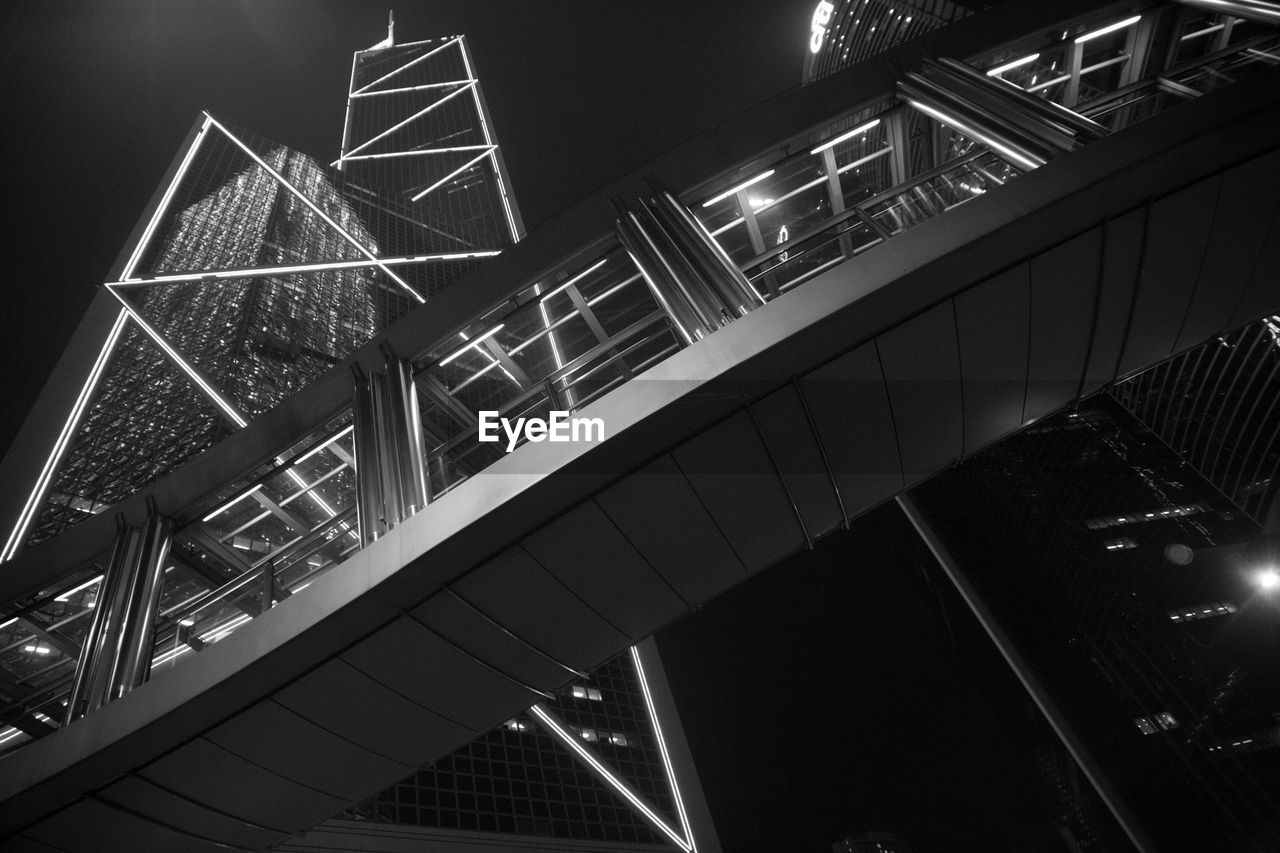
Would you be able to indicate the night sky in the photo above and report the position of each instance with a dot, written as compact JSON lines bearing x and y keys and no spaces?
{"x":805,"y":725}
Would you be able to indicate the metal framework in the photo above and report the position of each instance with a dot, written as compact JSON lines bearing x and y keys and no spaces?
{"x":216,"y":325}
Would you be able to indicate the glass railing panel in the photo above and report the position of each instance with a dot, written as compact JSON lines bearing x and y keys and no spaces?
{"x":805,"y":258}
{"x":865,"y":176}
{"x":1245,"y":61}
{"x":620,"y":304}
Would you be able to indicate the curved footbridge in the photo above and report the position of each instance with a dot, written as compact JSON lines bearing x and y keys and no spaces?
{"x":719,"y":460}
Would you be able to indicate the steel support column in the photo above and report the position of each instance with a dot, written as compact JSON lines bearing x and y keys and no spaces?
{"x":144,"y":597}
{"x":1030,"y":681}
{"x":390,"y":458}
{"x":371,"y":512}
{"x":693,"y":279}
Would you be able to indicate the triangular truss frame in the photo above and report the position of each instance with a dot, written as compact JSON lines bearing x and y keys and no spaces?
{"x":129,"y":279}
{"x":489,"y":149}
{"x":562,"y":732}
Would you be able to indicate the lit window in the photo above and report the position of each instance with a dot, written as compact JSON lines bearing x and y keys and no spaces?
{"x":1204,"y":611}
{"x":1137,"y":517}
{"x":1156,"y":722}
{"x":591,"y":693}
{"x":516,"y":725}
{"x":1123,"y":543}
{"x":618,"y":739}
{"x":590,"y":735}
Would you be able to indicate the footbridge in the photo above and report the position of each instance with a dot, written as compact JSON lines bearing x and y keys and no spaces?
{"x":782,"y":324}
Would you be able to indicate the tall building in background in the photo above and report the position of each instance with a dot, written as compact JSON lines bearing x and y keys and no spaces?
{"x":601,"y":765}
{"x":258,"y":269}
{"x":1135,"y":594}
{"x":845,"y":32}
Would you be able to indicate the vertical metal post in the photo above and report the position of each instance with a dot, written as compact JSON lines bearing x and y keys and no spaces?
{"x":92,"y":662}
{"x":111,"y":666}
{"x":661,"y":279}
{"x":388,"y":449}
{"x":717,"y":269}
{"x":895,"y":131}
{"x":1044,"y":701}
{"x":143,"y":600}
{"x":1075,"y":62}
{"x":369,"y":509}
{"x":408,"y":421}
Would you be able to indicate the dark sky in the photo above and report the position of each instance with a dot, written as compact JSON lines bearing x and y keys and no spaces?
{"x":804,"y":729}
{"x":100,"y":93}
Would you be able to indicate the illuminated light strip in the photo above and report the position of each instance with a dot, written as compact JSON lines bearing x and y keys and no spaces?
{"x":735,"y":223}
{"x":861,"y":160}
{"x":981,"y":137}
{"x":414,"y":43}
{"x":8,"y":622}
{"x":416,"y":153}
{"x":602,"y":296}
{"x":450,"y":176}
{"x":555,"y":348}
{"x":470,"y":343}
{"x":166,"y":198}
{"x":92,"y":581}
{"x":662,"y":748}
{"x":741,"y":186}
{"x":36,"y":498}
{"x":484,"y":128}
{"x":1110,"y":28}
{"x":1203,"y":32}
{"x":254,"y":272}
{"x":617,"y":784}
{"x":10,"y":735}
{"x":831,"y":143}
{"x":226,"y":628}
{"x":311,"y":495}
{"x":407,"y":65}
{"x":572,"y":281}
{"x":229,"y":504}
{"x":165,"y":657}
{"x":364,"y":94}
{"x":1009,"y":66}
{"x":780,"y":199}
{"x":232,"y":413}
{"x":368,"y":254}
{"x":313,"y":451}
{"x":346,"y":116}
{"x":419,"y":114}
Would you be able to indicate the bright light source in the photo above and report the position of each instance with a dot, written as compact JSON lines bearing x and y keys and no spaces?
{"x":90,"y":582}
{"x":1009,"y":66}
{"x":1111,"y":28}
{"x":741,"y":186}
{"x":451,"y":356}
{"x":1267,"y":579}
{"x":862,"y":128}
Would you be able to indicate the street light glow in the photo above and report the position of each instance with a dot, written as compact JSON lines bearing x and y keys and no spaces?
{"x":1268,"y":579}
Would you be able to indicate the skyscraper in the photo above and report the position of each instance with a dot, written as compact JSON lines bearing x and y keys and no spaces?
{"x":259,"y":269}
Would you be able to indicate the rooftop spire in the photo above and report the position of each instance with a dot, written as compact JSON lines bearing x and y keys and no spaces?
{"x":390,"y":40}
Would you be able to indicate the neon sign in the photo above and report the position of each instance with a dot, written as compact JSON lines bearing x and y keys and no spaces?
{"x":818,"y":28}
